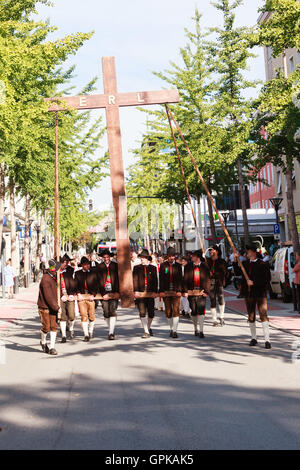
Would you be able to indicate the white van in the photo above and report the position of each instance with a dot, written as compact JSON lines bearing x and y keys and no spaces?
{"x":282,"y":277}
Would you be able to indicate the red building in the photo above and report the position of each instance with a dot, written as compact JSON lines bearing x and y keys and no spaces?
{"x":260,"y":193}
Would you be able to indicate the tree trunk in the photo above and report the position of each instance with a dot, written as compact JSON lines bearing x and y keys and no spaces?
{"x":243,"y":202}
{"x":2,"y":200}
{"x":13,"y":229}
{"x":291,"y":210}
{"x":27,"y":239}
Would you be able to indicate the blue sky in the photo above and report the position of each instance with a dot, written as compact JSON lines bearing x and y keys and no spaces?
{"x":143,"y":35}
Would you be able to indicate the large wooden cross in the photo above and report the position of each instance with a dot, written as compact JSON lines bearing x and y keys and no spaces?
{"x":111,"y":100}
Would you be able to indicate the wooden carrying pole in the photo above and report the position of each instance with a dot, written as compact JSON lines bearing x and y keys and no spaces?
{"x":208,"y":194}
{"x":56,"y":210}
{"x":184,"y":180}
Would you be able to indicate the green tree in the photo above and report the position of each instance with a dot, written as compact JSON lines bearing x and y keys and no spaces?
{"x":278,"y":104}
{"x":31,"y":68}
{"x":282,"y":29}
{"x":279,"y":117}
{"x":200,"y":125}
{"x":230,"y":53}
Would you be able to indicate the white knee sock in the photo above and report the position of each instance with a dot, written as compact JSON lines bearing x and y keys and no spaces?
{"x":145,"y":325}
{"x":52,"y":339}
{"x":71,"y":325}
{"x":175,"y":324}
{"x":91,"y":327}
{"x":222,"y":311}
{"x":266,"y":330}
{"x":85,"y":327}
{"x":112,"y":325}
{"x":44,"y":337}
{"x":201,"y":321}
{"x":213,"y":314}
{"x":253,"y":330}
{"x":195,"y":320}
{"x":63,"y":328}
{"x":170,"y":320}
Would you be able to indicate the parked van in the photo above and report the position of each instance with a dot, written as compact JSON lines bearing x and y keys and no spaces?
{"x":282,"y":277}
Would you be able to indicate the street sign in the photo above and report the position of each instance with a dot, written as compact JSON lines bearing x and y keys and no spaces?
{"x":277,"y":237}
{"x":276,"y":229}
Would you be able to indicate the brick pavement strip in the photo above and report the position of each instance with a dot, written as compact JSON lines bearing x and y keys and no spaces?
{"x":281,"y":316}
{"x":22,"y":303}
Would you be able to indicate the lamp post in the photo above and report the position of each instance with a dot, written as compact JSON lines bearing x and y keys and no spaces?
{"x":276,"y":203}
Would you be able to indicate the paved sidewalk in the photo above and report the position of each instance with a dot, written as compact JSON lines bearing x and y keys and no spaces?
{"x":22,"y":303}
{"x":281,"y":315}
{"x":161,"y":393}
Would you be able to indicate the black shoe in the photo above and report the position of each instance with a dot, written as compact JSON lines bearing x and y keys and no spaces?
{"x":45,"y":348}
{"x":86,"y":339}
{"x":111,"y":337}
{"x":151,"y":332}
{"x":268,"y":345}
{"x":197,"y":333}
{"x":222,"y":322}
{"x":215,"y":324}
{"x":171,"y":334}
{"x":201,"y":335}
{"x":146,"y":336}
{"x":253,"y":342}
{"x":72,"y":335}
{"x":64,"y":339}
{"x":175,"y":335}
{"x":53,"y":352}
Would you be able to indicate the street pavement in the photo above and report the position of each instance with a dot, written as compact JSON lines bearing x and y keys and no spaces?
{"x":161,"y":393}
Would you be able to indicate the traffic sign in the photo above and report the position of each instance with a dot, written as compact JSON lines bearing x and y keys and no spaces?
{"x":276,"y":229}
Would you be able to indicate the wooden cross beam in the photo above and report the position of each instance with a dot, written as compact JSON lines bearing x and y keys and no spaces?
{"x":111,"y":100}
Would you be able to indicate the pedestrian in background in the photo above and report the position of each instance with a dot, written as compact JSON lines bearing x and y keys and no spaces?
{"x":296,"y":270}
{"x":9,"y":276}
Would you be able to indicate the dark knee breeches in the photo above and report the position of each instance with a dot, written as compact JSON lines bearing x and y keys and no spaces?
{"x":145,"y":306}
{"x":261,"y":304}
{"x":197,"y":305}
{"x":216,"y":292}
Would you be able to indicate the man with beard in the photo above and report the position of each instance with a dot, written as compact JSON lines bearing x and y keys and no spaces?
{"x":145,"y":281}
{"x":218,"y":269}
{"x":87,"y":285}
{"x":170,"y":289}
{"x":110,"y":291}
{"x":68,"y":290}
{"x":196,"y":288}
{"x":255,"y":293}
